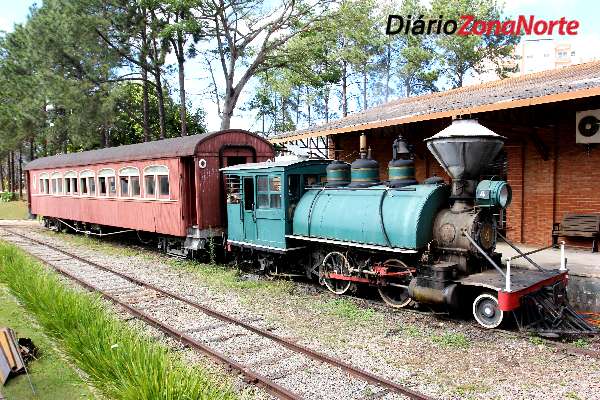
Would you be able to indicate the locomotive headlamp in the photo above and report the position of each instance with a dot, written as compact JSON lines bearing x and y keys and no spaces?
{"x":493,"y":194}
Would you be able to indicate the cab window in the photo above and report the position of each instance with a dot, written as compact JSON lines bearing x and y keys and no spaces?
{"x":233,"y":189}
{"x":268,"y":193}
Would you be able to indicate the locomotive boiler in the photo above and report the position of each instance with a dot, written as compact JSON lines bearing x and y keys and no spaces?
{"x":428,"y":242}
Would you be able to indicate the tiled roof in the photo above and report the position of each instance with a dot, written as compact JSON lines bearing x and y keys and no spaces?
{"x":165,"y":148}
{"x":577,"y":81}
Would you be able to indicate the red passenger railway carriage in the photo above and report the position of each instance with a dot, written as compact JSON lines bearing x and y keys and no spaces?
{"x":171,"y":187}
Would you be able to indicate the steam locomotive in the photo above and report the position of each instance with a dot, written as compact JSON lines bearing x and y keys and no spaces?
{"x":429,"y":242}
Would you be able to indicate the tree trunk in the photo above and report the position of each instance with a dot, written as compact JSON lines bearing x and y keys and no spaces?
{"x":182,"y":106}
{"x":145,"y":99}
{"x":106,"y":136}
{"x":31,"y":148}
{"x":326,"y":99}
{"x":388,"y":67}
{"x":145,"y":106}
{"x":20,"y":172}
{"x":308,"y":105}
{"x":1,"y":176}
{"x":344,"y":89}
{"x":364,"y":91}
{"x":228,"y":107}
{"x":11,"y":168}
{"x":161,"y":101}
{"x":297,"y":107}
{"x":283,"y":107}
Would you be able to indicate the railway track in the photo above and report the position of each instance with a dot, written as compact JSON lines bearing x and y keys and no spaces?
{"x":274,"y":353}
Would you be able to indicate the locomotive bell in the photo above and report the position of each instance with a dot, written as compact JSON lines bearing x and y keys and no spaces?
{"x":463,"y":149}
{"x":401,"y":169}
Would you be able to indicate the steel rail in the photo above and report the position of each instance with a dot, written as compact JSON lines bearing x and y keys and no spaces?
{"x":352,"y":370}
{"x":252,"y":377}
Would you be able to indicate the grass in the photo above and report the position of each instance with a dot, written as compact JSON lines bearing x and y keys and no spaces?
{"x":581,"y":343}
{"x":98,"y":244}
{"x":451,"y":340}
{"x":214,"y":275}
{"x":13,"y":210}
{"x":467,"y":389}
{"x":51,"y":375}
{"x":230,"y":278}
{"x":411,"y":331}
{"x":123,"y":362}
{"x":347,"y":309}
{"x":536,"y":340}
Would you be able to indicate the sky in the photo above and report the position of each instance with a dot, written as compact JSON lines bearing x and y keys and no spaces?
{"x":588,"y":39}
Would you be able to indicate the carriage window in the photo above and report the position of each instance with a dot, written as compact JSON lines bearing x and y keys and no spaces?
{"x":156,"y":182}
{"x":112,"y":186}
{"x":92,"y":186}
{"x":124,"y":186}
{"x":150,"y":185}
{"x":163,"y":185}
{"x":135,"y":186}
{"x":71,"y":183}
{"x":84,"y":188}
{"x":44,"y":183}
{"x":233,"y":189}
{"x":106,"y":182}
{"x":268,"y":191}
{"x":102,"y":186}
{"x":129,"y":179}
{"x":56,"y":183}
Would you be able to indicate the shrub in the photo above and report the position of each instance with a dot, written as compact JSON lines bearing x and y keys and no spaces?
{"x":7,"y":196}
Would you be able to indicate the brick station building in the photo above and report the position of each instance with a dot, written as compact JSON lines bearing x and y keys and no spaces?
{"x":550,"y":174}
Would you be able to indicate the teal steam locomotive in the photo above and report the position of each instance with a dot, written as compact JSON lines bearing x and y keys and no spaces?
{"x":428,"y":242}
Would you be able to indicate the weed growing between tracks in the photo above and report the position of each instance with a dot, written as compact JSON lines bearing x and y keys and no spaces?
{"x":122,"y":362}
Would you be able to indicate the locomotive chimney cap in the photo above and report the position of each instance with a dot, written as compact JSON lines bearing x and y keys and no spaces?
{"x":466,"y":128}
{"x":464,"y":148}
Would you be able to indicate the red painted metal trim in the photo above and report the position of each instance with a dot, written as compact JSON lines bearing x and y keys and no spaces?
{"x":347,"y":278}
{"x":509,"y":301}
{"x":383,"y":272}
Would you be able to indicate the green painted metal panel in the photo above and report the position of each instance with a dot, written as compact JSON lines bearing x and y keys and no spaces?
{"x":382,"y":216}
{"x":235,"y":223}
{"x":268,"y":222}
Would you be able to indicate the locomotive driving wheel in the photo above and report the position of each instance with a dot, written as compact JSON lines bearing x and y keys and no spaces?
{"x":395,"y":293}
{"x":335,"y":263}
{"x":486,"y":311}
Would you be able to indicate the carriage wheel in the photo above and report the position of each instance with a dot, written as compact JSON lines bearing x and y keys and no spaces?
{"x":395,"y":294}
{"x":336,"y":262}
{"x":487,"y":312}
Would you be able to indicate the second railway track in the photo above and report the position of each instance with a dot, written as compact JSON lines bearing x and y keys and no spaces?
{"x":282,"y":367}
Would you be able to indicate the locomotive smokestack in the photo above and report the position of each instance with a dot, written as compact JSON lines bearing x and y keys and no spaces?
{"x":364,"y":171}
{"x":363,"y":146}
{"x":463,"y":149}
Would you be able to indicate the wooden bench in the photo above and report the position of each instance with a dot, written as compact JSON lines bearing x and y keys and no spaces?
{"x":578,"y":225}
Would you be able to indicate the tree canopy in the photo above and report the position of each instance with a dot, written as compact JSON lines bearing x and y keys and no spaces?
{"x":83,"y":74}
